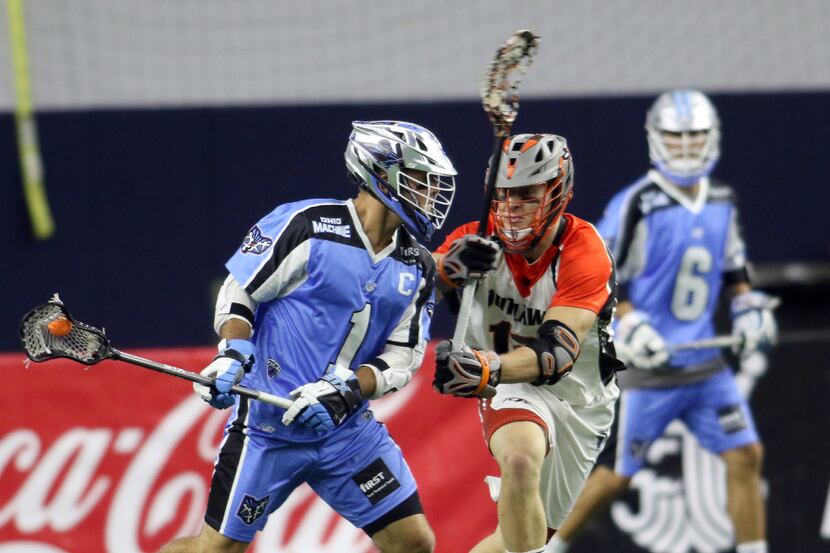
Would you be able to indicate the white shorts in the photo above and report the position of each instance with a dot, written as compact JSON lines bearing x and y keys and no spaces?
{"x":576,"y":435}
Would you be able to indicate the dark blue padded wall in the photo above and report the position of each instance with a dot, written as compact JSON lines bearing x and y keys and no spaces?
{"x":150,"y":203}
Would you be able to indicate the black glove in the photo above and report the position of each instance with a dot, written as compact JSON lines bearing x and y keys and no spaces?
{"x":467,"y":372}
{"x":471,"y":256}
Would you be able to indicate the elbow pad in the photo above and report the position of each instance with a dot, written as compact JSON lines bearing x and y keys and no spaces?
{"x":557,"y":348}
{"x":394,"y":368}
{"x":233,"y":302}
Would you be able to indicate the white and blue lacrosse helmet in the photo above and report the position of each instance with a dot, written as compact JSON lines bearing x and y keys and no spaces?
{"x":683,"y":131}
{"x":381,"y":157}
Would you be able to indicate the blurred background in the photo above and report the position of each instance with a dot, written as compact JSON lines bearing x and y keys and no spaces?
{"x":164,"y":130}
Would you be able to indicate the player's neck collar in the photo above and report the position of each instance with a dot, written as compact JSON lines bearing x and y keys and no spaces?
{"x":695,"y":205}
{"x":367,"y":244}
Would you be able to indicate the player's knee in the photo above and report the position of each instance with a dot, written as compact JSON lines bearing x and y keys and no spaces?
{"x":745,"y":460}
{"x":520,"y":468}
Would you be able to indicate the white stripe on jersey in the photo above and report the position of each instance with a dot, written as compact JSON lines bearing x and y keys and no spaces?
{"x":289,"y":275}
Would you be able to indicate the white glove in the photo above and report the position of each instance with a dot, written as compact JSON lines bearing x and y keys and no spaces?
{"x":638,"y":343}
{"x":235,"y":358}
{"x":753,"y":322}
{"x":324,"y":404}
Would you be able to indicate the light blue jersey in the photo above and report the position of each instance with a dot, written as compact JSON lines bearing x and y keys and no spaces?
{"x":323,"y":298}
{"x":673,"y":256}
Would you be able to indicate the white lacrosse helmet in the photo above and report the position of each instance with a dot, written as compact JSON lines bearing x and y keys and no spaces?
{"x":683,"y":131}
{"x":376,"y":156}
{"x":530,"y":160}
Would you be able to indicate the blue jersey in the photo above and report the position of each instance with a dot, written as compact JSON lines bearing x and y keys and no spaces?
{"x":325,"y":298}
{"x":673,"y":256}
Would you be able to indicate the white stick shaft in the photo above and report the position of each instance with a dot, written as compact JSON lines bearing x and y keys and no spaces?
{"x":463,"y":319}
{"x":716,"y":342}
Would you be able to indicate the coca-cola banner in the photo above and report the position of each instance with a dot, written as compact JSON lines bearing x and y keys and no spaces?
{"x":117,"y":459}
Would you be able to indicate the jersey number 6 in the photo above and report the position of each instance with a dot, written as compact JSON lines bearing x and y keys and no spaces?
{"x":691,"y":291}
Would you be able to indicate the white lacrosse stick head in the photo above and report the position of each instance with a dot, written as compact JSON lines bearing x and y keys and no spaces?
{"x":499,"y":86}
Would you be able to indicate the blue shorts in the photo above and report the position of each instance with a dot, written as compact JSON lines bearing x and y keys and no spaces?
{"x":713,"y":410}
{"x":358,"y":470}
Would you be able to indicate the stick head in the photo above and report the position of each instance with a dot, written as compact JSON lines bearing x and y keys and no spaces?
{"x":49,"y":331}
{"x":499,"y":87}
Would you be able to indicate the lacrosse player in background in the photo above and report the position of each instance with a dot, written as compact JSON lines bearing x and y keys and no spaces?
{"x":676,"y":240}
{"x":540,"y":316}
{"x":329,"y":302}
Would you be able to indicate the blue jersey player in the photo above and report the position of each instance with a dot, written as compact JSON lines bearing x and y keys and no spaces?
{"x":328,"y":302}
{"x":677,"y":243}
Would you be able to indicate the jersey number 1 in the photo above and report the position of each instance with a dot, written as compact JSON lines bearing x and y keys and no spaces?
{"x":354,"y":339}
{"x":691,"y":291}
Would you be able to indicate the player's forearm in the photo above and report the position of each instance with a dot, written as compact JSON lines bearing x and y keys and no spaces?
{"x":519,"y":365}
{"x":368,"y":384}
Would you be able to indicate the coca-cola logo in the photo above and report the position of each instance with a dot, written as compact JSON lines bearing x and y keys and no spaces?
{"x":135,"y":489}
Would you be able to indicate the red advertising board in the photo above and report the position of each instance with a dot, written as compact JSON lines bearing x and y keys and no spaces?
{"x":117,"y":459}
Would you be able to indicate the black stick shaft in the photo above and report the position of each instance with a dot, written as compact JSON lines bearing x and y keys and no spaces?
{"x":199,"y":379}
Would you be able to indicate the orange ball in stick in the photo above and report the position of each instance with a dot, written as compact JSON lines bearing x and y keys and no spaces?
{"x":60,"y":326}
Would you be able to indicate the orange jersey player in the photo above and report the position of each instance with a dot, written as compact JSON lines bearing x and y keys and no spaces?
{"x":537,"y":348}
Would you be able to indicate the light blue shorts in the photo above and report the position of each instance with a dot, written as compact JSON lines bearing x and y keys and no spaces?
{"x":358,"y":470}
{"x":713,"y":410}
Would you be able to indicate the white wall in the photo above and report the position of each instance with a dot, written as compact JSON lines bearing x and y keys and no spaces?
{"x":93,"y":53}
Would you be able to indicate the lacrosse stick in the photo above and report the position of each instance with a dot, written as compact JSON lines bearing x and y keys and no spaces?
{"x":500,"y":99}
{"x":727,"y":341}
{"x":49,"y":332}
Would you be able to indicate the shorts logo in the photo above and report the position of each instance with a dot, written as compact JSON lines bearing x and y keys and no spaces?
{"x":376,"y":481}
{"x":255,"y":242}
{"x":252,"y":508}
{"x":273,"y":368}
{"x":731,"y":419}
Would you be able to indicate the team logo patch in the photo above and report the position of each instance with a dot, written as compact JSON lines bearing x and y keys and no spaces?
{"x":376,"y":481}
{"x":252,"y":508}
{"x":731,"y":419}
{"x":369,"y":287}
{"x":274,"y":368}
{"x":256,"y":242}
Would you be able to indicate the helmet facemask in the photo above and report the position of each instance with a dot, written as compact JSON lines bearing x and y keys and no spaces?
{"x":522,"y":216}
{"x":428,"y":195}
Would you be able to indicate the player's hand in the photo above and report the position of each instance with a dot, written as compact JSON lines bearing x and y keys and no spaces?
{"x":467,"y":372}
{"x":325,"y":404}
{"x":470,"y":256}
{"x":753,"y":322}
{"x":638,"y":343}
{"x":235,"y":358}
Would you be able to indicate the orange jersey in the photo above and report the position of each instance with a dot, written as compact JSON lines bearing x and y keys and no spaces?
{"x":576,"y":271}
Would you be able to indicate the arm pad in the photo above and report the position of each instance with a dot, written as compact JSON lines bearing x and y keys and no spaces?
{"x":394,"y":367}
{"x":233,"y":302}
{"x":557,"y":348}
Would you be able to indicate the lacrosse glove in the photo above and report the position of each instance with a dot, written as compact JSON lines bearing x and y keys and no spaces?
{"x":324,"y":404}
{"x":470,"y":256}
{"x":468,"y":372}
{"x":638,"y":343}
{"x":753,"y":322}
{"x":234,"y":360}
